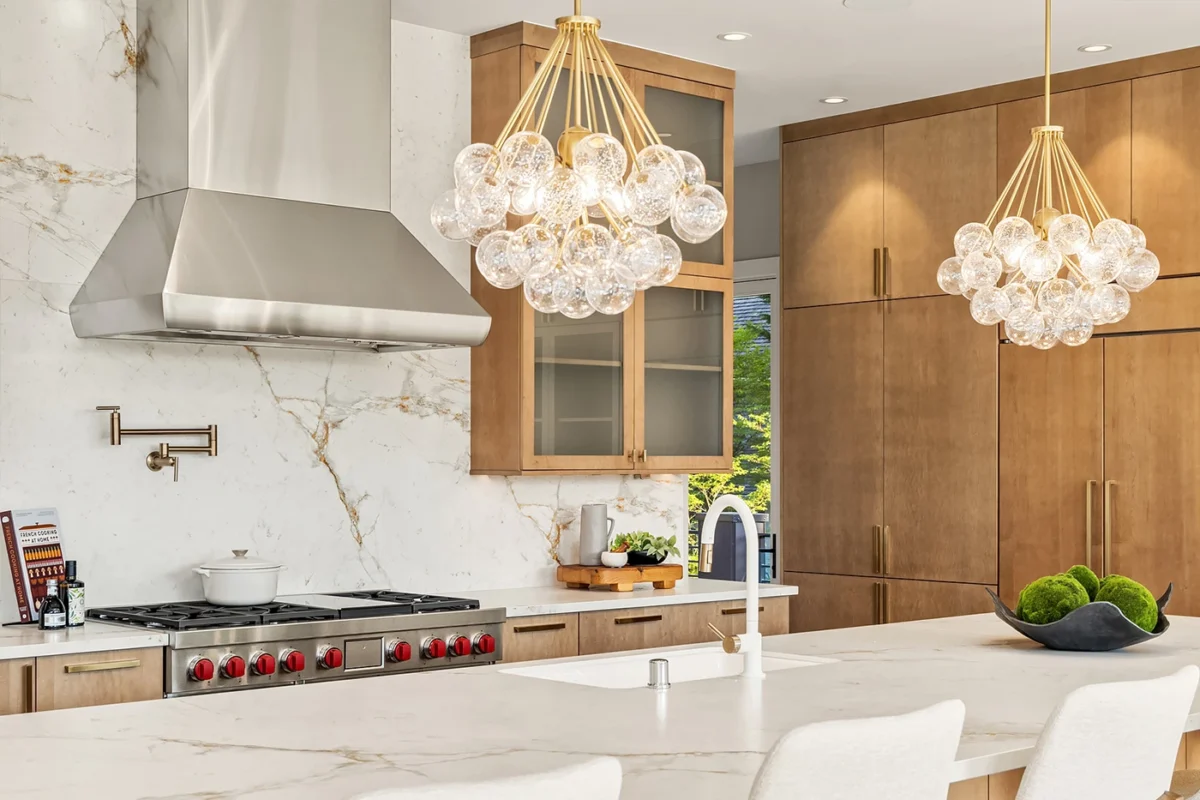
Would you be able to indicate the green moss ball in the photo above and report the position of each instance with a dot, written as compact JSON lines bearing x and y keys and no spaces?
{"x":1087,"y":579}
{"x":1134,"y":600}
{"x":1051,"y":598}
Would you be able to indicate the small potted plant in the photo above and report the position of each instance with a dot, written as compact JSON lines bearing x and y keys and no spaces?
{"x":644,"y":549}
{"x":615,"y":556}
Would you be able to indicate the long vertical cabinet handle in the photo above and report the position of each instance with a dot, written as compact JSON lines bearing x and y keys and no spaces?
{"x":1108,"y":524}
{"x":877,"y":599}
{"x":887,"y":549}
{"x":877,"y":549}
{"x":30,"y":688}
{"x":887,"y":604}
{"x":878,"y":290}
{"x":887,"y":272}
{"x":1087,"y":528}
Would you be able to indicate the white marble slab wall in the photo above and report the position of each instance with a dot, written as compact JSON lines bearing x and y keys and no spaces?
{"x":351,"y":468}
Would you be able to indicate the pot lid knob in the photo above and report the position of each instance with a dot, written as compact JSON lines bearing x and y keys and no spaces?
{"x":240,"y":553}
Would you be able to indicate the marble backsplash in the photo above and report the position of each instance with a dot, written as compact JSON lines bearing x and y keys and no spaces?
{"x":350,"y":468}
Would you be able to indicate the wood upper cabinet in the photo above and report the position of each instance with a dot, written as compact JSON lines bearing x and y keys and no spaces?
{"x":1166,"y":167}
{"x":938,"y":174}
{"x":1097,"y":126}
{"x":18,"y":685}
{"x":832,"y":218}
{"x":832,"y":601}
{"x":940,"y":420}
{"x":831,"y":410}
{"x":1051,"y":462}
{"x":1152,"y":462}
{"x":905,"y":601}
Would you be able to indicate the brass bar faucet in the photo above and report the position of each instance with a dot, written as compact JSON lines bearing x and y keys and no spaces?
{"x":167,"y":454}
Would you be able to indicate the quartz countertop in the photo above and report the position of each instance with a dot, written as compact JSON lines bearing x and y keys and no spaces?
{"x":537,"y":600}
{"x":702,"y":740}
{"x":28,"y":641}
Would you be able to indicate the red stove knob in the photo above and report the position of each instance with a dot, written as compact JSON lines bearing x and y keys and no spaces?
{"x":201,"y":669}
{"x":329,"y":658}
{"x":293,"y":661}
{"x":485,"y":643}
{"x":460,"y":646}
{"x":233,"y":667}
{"x":399,"y":651}
{"x":263,"y":663}
{"x":434,"y":648}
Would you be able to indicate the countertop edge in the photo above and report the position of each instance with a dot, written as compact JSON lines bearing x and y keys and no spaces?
{"x":602,"y":600}
{"x":62,"y":643}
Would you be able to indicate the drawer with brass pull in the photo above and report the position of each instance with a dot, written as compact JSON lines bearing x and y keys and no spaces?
{"x":92,"y":679}
{"x":627,"y":629}
{"x":535,"y":638}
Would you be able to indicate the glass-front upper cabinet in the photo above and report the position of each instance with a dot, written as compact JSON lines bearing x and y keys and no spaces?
{"x":687,"y":375}
{"x":698,"y":118}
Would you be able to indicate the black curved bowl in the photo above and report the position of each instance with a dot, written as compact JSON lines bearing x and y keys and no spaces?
{"x":1094,"y":628}
{"x":640,"y":558}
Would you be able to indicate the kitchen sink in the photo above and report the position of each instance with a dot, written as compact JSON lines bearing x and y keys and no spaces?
{"x":632,"y":671}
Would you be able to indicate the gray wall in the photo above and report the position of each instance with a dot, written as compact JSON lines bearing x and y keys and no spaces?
{"x":756,"y":211}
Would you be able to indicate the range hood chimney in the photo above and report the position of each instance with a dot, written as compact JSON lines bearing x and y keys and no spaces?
{"x":264,"y":188}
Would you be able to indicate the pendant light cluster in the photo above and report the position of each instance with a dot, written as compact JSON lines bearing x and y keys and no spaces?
{"x":1049,"y":261}
{"x":595,"y":200}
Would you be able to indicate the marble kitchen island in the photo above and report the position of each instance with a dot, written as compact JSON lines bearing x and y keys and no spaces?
{"x":704,"y":739}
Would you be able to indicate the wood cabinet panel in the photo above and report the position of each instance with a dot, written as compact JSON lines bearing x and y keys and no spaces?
{"x":535,"y":638}
{"x":832,"y":207}
{"x":1166,"y":167}
{"x":93,"y":679}
{"x":831,"y":601}
{"x":17,"y":686}
{"x":1097,"y":126}
{"x":1051,"y":445}
{"x":1168,"y":305}
{"x":938,"y":173}
{"x":1152,"y":462}
{"x":940,"y":442}
{"x":629,"y":628}
{"x":905,"y":601}
{"x":772,"y":616}
{"x":831,"y":409}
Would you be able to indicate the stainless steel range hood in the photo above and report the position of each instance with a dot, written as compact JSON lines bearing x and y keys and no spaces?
{"x":264,"y":187}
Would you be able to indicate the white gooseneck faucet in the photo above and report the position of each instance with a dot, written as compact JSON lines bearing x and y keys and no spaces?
{"x":750,"y":642}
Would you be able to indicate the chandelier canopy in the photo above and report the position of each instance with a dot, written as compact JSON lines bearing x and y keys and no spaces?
{"x":596,"y":200}
{"x":1055,"y":264}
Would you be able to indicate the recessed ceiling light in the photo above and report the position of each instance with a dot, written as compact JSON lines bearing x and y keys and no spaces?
{"x":733,"y":36}
{"x":1095,"y":48}
{"x":833,"y":101}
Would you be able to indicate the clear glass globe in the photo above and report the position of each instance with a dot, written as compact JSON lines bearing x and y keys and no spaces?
{"x":1115,"y":232}
{"x":694,"y":173}
{"x":1141,"y":270}
{"x":950,"y":277}
{"x":473,"y":162}
{"x":660,"y":157}
{"x":971,"y":238}
{"x":650,"y":196}
{"x":525,"y":158}
{"x":445,"y":218}
{"x":492,"y":261}
{"x":1024,"y":327}
{"x":1074,"y":328}
{"x":1101,"y":264}
{"x":1070,"y":233}
{"x":560,"y":196}
{"x":1041,"y":261}
{"x":588,"y":249}
{"x":1120,"y":304}
{"x":989,"y":306}
{"x":1106,"y":302}
{"x":533,"y":248}
{"x":1057,"y":297}
{"x":1046,"y":338}
{"x":640,"y":254}
{"x":548,"y":290}
{"x":672,"y":262}
{"x":476,"y":236}
{"x":1012,"y":236}
{"x":1139,"y":237}
{"x":981,"y":269}
{"x":1020,"y":298}
{"x":524,"y":200}
{"x":483,"y":203}
{"x":969,"y":293}
{"x":611,"y":290}
{"x":1090,"y":294}
{"x":614,"y":201}
{"x":600,"y":162}
{"x":700,"y":212}
{"x":576,"y":306}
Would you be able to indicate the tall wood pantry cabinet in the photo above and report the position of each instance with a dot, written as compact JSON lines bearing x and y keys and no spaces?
{"x":649,"y":390}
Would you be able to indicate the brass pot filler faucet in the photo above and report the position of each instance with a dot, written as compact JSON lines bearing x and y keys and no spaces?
{"x":167,"y":455}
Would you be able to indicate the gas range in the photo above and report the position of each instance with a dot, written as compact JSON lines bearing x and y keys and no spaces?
{"x":313,"y":637}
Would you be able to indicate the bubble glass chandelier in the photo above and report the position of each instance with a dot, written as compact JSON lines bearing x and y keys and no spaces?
{"x":1049,"y":261}
{"x":596,"y":201}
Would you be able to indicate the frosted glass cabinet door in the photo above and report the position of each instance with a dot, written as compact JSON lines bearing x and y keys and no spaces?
{"x":687,"y":375}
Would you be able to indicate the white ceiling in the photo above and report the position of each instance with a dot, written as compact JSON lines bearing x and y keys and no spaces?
{"x":803,"y":50}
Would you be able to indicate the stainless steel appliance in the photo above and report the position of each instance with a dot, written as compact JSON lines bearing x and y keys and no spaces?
{"x":317,"y":637}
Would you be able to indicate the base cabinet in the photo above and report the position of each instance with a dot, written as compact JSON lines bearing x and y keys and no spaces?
{"x":18,"y":679}
{"x":536,"y":638}
{"x":80,"y":679}
{"x":826,"y":602}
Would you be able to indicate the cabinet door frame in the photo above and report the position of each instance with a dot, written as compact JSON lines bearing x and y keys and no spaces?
{"x":694,"y":464}
{"x":642,"y":80}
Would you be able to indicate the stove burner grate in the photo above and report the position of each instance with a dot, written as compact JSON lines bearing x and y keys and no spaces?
{"x":186,"y":616}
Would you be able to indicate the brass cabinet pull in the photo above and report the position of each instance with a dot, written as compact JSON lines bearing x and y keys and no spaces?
{"x":30,"y":689}
{"x":545,"y":626}
{"x":1108,"y":524}
{"x":877,"y":549}
{"x":887,"y":550}
{"x":635,"y":620}
{"x":887,"y":272}
{"x":731,"y":611}
{"x":103,"y":666}
{"x":1087,"y":528}
{"x":878,"y":287}
{"x":887,"y":604}
{"x":875,"y":596}
{"x":643,"y":456}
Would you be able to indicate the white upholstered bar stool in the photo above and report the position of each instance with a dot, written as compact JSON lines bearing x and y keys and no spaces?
{"x":899,"y":758}
{"x":1112,"y":740}
{"x":599,"y":779}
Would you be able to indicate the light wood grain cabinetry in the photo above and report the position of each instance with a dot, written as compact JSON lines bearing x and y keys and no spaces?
{"x":905,"y":601}
{"x":536,"y":638}
{"x":18,"y":685}
{"x":832,"y":601}
{"x":92,"y":679}
{"x":772,"y":616}
{"x":630,"y":628}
